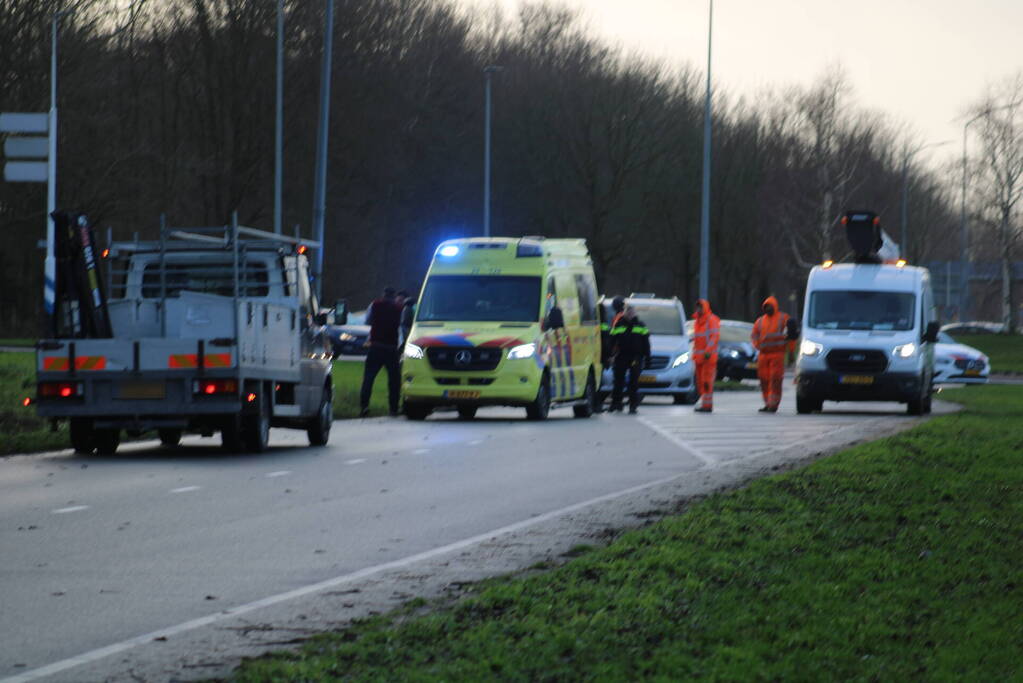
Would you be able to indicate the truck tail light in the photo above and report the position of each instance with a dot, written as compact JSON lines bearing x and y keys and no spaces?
{"x":214,"y":387}
{"x":60,"y":390}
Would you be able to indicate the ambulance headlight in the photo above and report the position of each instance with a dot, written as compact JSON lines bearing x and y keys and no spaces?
{"x":522,"y":351}
{"x":810,"y":348}
{"x":905,"y":350}
{"x":682,"y":359}
{"x":449,"y":251}
{"x":413,"y":351}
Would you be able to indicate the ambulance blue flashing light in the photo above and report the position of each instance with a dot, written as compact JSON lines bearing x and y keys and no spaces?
{"x":449,"y":251}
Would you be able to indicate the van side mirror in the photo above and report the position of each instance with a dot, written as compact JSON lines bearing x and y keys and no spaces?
{"x":931,"y":333}
{"x":322,"y":318}
{"x":555,"y":319}
{"x":341,"y":312}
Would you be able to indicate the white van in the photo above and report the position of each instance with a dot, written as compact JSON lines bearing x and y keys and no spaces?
{"x":868,"y":335}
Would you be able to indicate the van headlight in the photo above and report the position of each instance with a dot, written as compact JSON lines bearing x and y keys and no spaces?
{"x":905,"y":350}
{"x":413,"y":351}
{"x":810,"y":348}
{"x":680,"y":360}
{"x":522,"y":351}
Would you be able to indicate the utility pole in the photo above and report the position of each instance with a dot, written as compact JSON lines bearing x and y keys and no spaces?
{"x":488,"y":72}
{"x":279,"y":121}
{"x":320,"y":189}
{"x":705,"y":195}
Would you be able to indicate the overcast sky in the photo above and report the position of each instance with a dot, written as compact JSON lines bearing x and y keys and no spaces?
{"x":923,"y":62}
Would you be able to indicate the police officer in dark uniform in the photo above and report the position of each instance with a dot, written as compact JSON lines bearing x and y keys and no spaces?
{"x":631,"y":343}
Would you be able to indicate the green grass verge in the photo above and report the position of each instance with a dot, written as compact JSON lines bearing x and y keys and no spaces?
{"x":27,"y":343}
{"x":1004,"y":350}
{"x":348,"y":384}
{"x":894,"y":560}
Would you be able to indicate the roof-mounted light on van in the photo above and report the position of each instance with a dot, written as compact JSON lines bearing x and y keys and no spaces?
{"x":828,"y":263}
{"x":302,"y":249}
{"x":900,"y":263}
{"x":449,"y":250}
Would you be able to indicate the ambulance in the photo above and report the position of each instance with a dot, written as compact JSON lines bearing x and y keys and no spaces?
{"x":505,"y":321}
{"x":869,"y":327}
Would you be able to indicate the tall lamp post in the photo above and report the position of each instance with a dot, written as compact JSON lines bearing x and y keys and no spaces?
{"x":487,"y":72}
{"x":904,"y":236}
{"x":279,"y":120}
{"x":705,"y":195}
{"x":964,"y":239}
{"x":50,"y":264}
{"x":320,"y":187}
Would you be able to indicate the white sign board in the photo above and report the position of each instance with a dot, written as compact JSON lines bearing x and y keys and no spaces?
{"x":25,"y":172}
{"x":24,"y":123}
{"x":34,"y":147}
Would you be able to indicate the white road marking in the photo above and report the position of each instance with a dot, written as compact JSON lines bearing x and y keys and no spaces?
{"x":420,"y":451}
{"x":699,"y":455}
{"x":73,"y":508}
{"x":476,"y":442}
{"x":355,"y":461}
{"x":185,"y":489}
{"x":100,"y":653}
{"x":280,"y":473}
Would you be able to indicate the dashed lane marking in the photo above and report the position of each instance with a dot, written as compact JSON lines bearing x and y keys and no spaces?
{"x":185,"y":489}
{"x":72,"y":508}
{"x":280,"y":473}
{"x":355,"y":461}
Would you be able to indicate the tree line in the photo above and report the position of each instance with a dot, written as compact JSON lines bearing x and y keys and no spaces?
{"x":168,"y":108}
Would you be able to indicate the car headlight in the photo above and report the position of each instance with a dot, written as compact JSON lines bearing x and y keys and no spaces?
{"x":905,"y":350}
{"x":732,"y":353}
{"x":810,"y":348}
{"x":522,"y":351}
{"x":682,"y":359}
{"x":413,"y":351}
{"x":347,"y":337}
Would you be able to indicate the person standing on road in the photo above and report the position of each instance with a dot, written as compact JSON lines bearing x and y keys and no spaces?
{"x":383,"y":318}
{"x":408,"y":315}
{"x":706,"y":331}
{"x":631,"y":342}
{"x":774,"y":334}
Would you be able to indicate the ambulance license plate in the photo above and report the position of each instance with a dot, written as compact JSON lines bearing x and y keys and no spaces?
{"x":856,"y":379}
{"x":461,"y":393}
{"x":647,"y":379}
{"x":142,"y":390}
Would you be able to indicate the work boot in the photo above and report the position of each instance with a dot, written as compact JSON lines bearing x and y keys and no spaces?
{"x":615,"y":408}
{"x":632,"y":410}
{"x":364,"y":412}
{"x":765,"y":409}
{"x":703,"y":409}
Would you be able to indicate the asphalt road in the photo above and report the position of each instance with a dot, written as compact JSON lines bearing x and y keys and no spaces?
{"x":102,"y":556}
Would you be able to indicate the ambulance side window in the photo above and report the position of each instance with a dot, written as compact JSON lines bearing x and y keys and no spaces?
{"x":587,"y":299}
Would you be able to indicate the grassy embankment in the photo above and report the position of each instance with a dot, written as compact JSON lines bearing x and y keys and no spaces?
{"x":1004,"y":350}
{"x":894,"y":560}
{"x":22,"y":432}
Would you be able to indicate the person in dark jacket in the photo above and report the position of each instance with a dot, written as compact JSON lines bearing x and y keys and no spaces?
{"x":408,"y":315}
{"x":383,"y":318}
{"x":631,"y":343}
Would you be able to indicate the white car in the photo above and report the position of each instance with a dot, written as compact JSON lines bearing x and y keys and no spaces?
{"x":956,"y":363}
{"x":672,"y":371}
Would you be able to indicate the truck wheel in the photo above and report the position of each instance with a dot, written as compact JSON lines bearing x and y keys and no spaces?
{"x":107,"y":441}
{"x":416,"y":411}
{"x":169,"y":437}
{"x":230,"y":435}
{"x":82,"y":436}
{"x":467,"y":412}
{"x":541,"y":405}
{"x":256,"y":428}
{"x":319,"y":426}
{"x":589,"y":397}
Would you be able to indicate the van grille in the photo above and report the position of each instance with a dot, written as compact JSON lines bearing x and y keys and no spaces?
{"x":462,"y":358}
{"x":857,"y":360}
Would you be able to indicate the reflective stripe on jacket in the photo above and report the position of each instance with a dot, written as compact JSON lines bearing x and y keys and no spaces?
{"x":706,"y":331}
{"x":770,"y":331}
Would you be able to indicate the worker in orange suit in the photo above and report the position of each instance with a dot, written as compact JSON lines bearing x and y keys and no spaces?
{"x":774,"y":335}
{"x":706,"y":332}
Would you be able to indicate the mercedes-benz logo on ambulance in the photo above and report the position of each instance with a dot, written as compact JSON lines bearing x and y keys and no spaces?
{"x":463,"y":358}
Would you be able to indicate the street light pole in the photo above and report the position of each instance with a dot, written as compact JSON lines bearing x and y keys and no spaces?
{"x":487,"y":72}
{"x":705,"y":195}
{"x":50,"y":264}
{"x":279,"y":120}
{"x":904,"y":236}
{"x":320,"y":188}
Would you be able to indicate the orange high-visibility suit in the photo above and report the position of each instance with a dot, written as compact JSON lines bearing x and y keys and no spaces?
{"x":770,"y":338}
{"x":706,"y":332}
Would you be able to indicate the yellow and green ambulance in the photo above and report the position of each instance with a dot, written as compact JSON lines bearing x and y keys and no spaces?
{"x":505,"y":321}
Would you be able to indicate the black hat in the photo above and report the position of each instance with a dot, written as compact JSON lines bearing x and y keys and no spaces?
{"x":618,"y":303}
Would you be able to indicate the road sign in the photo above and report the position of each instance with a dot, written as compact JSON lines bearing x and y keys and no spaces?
{"x":12,"y":122}
{"x":25,"y":172}
{"x":26,"y":147}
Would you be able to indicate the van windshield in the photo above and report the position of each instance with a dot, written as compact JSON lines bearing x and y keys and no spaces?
{"x":468,"y":298}
{"x":861,"y":310}
{"x":660,"y":319}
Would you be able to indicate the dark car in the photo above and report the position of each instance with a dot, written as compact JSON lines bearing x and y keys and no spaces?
{"x":737,"y":359}
{"x":350,"y":339}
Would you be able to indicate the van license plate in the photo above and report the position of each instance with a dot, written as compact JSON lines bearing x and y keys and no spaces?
{"x":142,"y":390}
{"x":856,"y":379}
{"x":461,"y":393}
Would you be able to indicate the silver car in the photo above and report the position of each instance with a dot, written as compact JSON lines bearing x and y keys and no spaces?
{"x":672,"y":371}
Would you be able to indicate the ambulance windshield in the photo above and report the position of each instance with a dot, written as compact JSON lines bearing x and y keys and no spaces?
{"x":469,"y":298}
{"x":861,"y":310}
